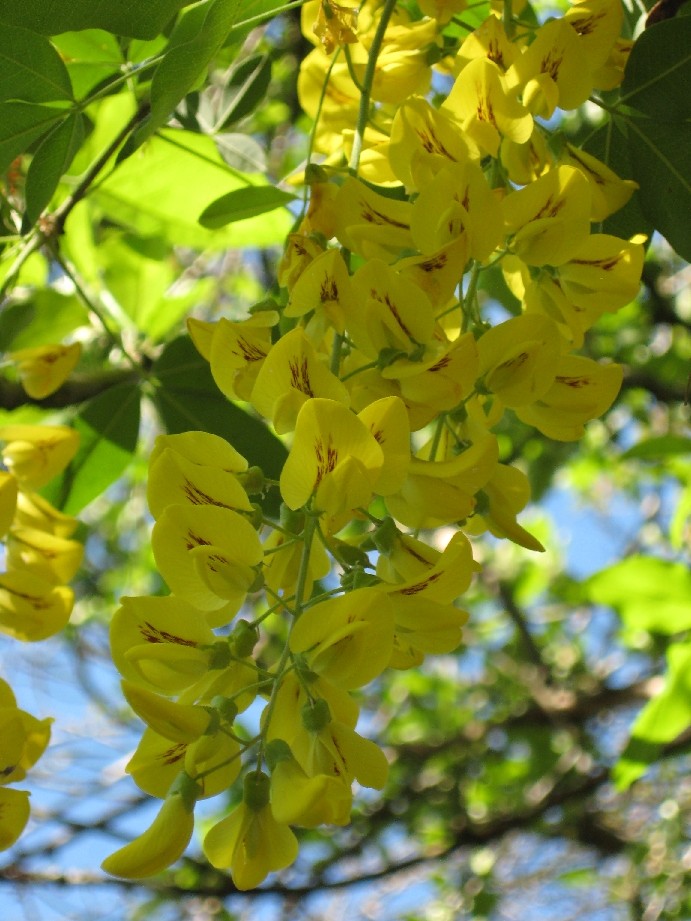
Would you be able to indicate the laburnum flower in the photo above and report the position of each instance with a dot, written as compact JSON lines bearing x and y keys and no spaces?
{"x":24,"y":739}
{"x":14,"y":814}
{"x":486,"y":108}
{"x":387,"y":420}
{"x":442,"y":10}
{"x":458,"y":200}
{"x":603,"y":275}
{"x":324,"y":288}
{"x":447,"y":382}
{"x":526,"y":162}
{"x":33,"y":511}
{"x":55,"y":559}
{"x":423,"y":140}
{"x":234,"y":350}
{"x":438,"y":273}
{"x":518,"y":359}
{"x":250,"y":842}
{"x":553,"y":71}
{"x":336,"y":24}
{"x":283,"y":560}
{"x":506,"y":493}
{"x":292,"y":374}
{"x":32,"y":608}
{"x":328,"y":96}
{"x":392,"y":317}
{"x":334,"y":457}
{"x":425,"y":620}
{"x":598,"y":25}
{"x":162,"y":643}
{"x":441,"y":492}
{"x":347,"y":639}
{"x":34,"y":454}
{"x":371,"y":224}
{"x":297,"y":799}
{"x":207,"y":555}
{"x":45,"y":368}
{"x":402,"y":68}
{"x":213,"y":760}
{"x":487,"y":41}
{"x":582,"y":390}
{"x":548,"y":221}
{"x":611,"y":74}
{"x":208,"y":477}
{"x":608,"y":192}
{"x":171,"y":719}
{"x":160,"y":845}
{"x":300,"y":250}
{"x":8,"y":501}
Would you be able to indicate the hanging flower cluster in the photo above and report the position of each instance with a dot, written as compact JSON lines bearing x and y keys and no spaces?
{"x":35,"y":602}
{"x":389,"y":383}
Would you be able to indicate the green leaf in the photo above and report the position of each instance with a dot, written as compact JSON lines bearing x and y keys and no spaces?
{"x":46,"y":317}
{"x":659,"y":448}
{"x":196,"y":40}
{"x":242,"y":204}
{"x":172,"y":203}
{"x":22,"y":123}
{"x":90,"y":56}
{"x":648,"y":593}
{"x":661,"y":720}
{"x":30,"y":67}
{"x":51,"y":160}
{"x":610,"y":144}
{"x":187,"y":399}
{"x":245,"y":89}
{"x":123,"y":17}
{"x":658,"y":72}
{"x":241,"y":152}
{"x":660,"y":162}
{"x":108,"y":426}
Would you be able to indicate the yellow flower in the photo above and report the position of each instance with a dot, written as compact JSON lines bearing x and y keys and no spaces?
{"x":582,"y":390}
{"x":8,"y":501}
{"x":297,"y":799}
{"x":250,"y":842}
{"x":282,"y":561}
{"x":484,"y":106}
{"x":526,"y":162}
{"x":299,"y":251}
{"x":292,"y":374}
{"x":549,"y":220}
{"x":488,"y":41}
{"x":458,"y":200}
{"x":519,"y":358}
{"x":159,"y":643}
{"x":237,"y":351}
{"x":24,"y":739}
{"x":423,"y":140}
{"x":207,"y":556}
{"x":598,"y":25}
{"x":37,"y":453}
{"x":14,"y":814}
{"x":609,"y":193}
{"x":603,"y":275}
{"x":173,"y":720}
{"x":54,"y":559}
{"x":348,"y":639}
{"x":371,"y":224}
{"x":159,"y":846}
{"x":33,"y":511}
{"x":325,"y":288}
{"x":442,"y":10}
{"x":31,"y":608}
{"x":334,"y":457}
{"x":45,"y":368}
{"x":336,"y":25}
{"x":505,"y":494}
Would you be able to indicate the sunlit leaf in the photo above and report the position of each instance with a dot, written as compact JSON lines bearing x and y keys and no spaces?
{"x":138,"y":20}
{"x":242,"y":204}
{"x":648,"y":593}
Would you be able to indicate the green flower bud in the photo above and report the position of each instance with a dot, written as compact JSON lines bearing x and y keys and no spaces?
{"x":316,"y":715}
{"x":256,"y":790}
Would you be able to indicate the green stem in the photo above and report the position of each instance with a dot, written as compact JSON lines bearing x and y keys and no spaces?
{"x":363,"y":113}
{"x":508,"y":18}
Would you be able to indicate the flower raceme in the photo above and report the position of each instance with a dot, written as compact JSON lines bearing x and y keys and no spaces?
{"x":380,"y":369}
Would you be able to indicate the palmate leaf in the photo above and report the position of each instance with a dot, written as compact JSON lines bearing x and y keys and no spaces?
{"x":188,"y":399}
{"x":132,"y":18}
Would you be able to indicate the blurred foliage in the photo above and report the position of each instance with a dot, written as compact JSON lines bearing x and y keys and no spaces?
{"x":507,"y":792}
